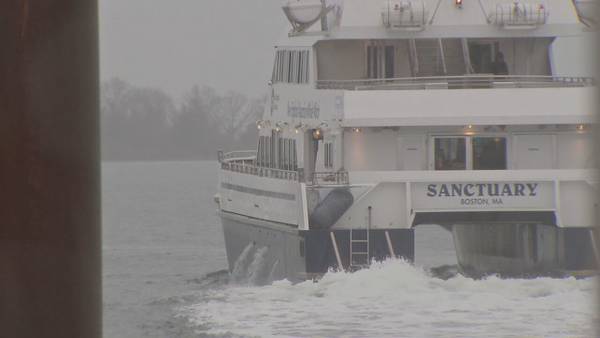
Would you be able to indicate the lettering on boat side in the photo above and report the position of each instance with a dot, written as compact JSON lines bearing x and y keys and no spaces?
{"x":496,"y":195}
{"x":303,"y":110}
{"x":482,"y":189}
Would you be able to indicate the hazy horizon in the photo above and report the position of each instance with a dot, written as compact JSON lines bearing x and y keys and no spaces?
{"x":174,"y":46}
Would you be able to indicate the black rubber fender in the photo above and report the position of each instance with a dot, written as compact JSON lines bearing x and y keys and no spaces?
{"x":331,"y":208}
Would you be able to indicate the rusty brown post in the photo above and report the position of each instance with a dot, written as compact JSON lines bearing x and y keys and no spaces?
{"x":50,"y":280}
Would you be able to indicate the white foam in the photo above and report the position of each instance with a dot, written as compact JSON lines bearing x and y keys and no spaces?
{"x":396,"y":299}
{"x":240,"y":267}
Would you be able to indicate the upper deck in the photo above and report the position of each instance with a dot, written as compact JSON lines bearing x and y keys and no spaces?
{"x":485,"y":60}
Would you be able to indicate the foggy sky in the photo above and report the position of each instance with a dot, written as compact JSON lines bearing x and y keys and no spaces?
{"x":172,"y":45}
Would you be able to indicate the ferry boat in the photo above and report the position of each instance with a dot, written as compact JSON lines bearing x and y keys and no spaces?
{"x":385,"y":115}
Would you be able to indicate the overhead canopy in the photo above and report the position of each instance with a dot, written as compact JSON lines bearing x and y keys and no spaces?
{"x":444,"y":107}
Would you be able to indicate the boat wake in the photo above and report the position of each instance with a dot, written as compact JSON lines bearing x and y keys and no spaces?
{"x":395,"y":298}
{"x":251,"y":268}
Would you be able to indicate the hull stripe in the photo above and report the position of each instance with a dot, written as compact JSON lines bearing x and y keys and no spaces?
{"x":259,"y":192}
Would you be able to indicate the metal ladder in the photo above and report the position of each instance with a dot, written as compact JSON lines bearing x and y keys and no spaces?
{"x":357,"y":253}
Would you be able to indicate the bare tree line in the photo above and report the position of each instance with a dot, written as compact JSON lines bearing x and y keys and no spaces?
{"x":145,"y":124}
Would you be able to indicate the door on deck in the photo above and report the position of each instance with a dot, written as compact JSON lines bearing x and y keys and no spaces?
{"x":534,"y":151}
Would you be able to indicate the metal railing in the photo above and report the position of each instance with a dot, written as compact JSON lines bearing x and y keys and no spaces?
{"x":458,"y":82}
{"x":251,"y":169}
{"x":244,"y":162}
{"x":517,"y":14}
{"x":244,"y":155}
{"x":329,"y":178}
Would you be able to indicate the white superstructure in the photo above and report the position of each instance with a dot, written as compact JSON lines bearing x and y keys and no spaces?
{"x":427,"y":111}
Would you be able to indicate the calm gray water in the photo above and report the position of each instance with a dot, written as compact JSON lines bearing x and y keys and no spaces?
{"x":164,"y":256}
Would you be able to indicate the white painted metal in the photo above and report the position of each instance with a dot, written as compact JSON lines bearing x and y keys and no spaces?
{"x":383,"y":129}
{"x":336,"y":250}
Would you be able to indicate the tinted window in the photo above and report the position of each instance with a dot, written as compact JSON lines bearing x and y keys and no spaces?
{"x":489,"y":153}
{"x":450,"y":153}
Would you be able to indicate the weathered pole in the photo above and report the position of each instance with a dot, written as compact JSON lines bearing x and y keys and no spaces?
{"x":50,"y":277}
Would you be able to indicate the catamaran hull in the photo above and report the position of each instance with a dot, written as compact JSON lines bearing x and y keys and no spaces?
{"x":523,"y":250}
{"x":259,"y":251}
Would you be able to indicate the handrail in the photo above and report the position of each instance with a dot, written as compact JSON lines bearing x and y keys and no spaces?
{"x":252,"y":169}
{"x":464,"y":81}
{"x":519,"y":14}
{"x":245,"y":155}
{"x":329,"y":178}
{"x":315,"y":179}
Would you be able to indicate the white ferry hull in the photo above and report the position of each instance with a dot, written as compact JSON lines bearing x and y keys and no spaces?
{"x":260,"y":252}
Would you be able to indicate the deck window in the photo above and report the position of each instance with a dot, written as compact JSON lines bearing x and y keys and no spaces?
{"x":294,"y":156}
{"x":261,"y":151}
{"x":328,"y":155}
{"x":450,"y":153}
{"x":291,"y":66}
{"x":489,"y":153}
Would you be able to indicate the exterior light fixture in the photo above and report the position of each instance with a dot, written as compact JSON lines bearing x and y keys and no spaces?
{"x":317,"y":134}
{"x":470,"y":126}
{"x":458,"y":3}
{"x":297,"y":131}
{"x":580,"y":127}
{"x":356,"y":130}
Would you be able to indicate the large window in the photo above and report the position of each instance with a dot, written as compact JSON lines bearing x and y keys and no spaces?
{"x":450,"y":153}
{"x":277,"y":152}
{"x":466,"y":153}
{"x":328,"y":155}
{"x":489,"y":153}
{"x":291,"y":66}
{"x":380,"y":61}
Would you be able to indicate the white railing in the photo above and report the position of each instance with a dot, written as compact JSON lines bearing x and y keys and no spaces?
{"x":244,"y":162}
{"x":251,"y":169}
{"x":520,"y":15}
{"x":329,"y":178}
{"x":458,"y":82}
{"x":243,"y":155}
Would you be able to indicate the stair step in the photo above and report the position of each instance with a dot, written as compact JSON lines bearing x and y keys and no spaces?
{"x":359,"y":241}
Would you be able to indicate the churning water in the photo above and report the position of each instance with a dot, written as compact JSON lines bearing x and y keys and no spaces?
{"x":164,"y":258}
{"x":396,"y":299}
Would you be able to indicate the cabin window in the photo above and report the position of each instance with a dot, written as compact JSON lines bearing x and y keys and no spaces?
{"x":450,"y":153}
{"x":482,"y":57}
{"x":286,"y":154}
{"x":380,"y":61}
{"x":277,"y":152}
{"x":489,"y":153}
{"x":470,"y":153}
{"x":291,"y":66}
{"x":328,"y":155}
{"x":294,"y":156}
{"x":259,"y":155}
{"x":274,"y":139}
{"x":280,"y":155}
{"x":267,"y":162}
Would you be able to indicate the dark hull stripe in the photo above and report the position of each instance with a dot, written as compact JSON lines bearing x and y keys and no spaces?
{"x":259,"y":192}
